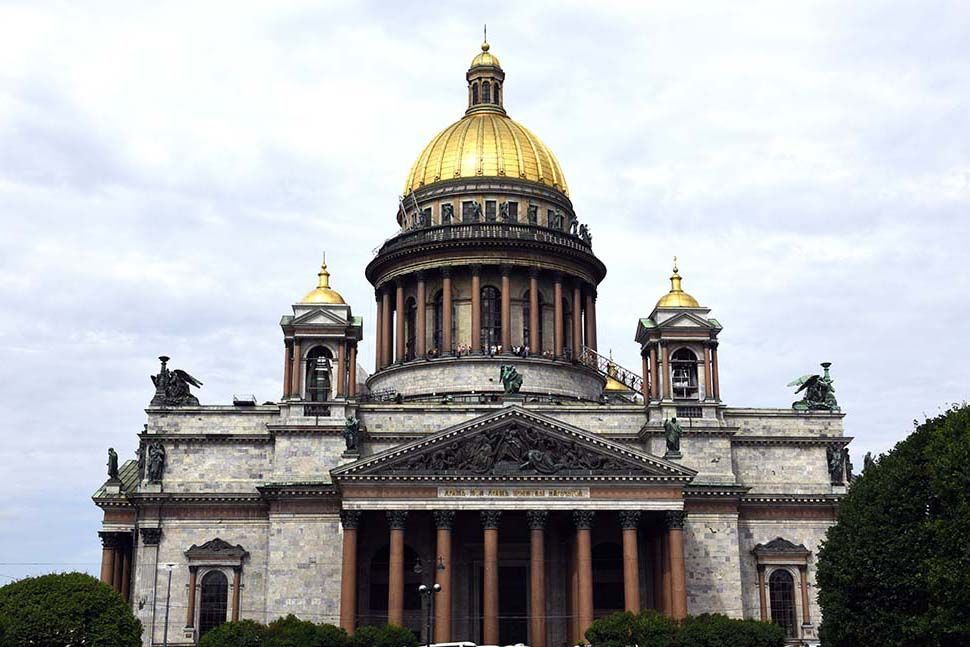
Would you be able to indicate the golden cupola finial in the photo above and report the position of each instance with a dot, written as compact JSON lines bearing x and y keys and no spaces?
{"x":486,"y":81}
{"x":323,"y":293}
{"x":677,"y":298}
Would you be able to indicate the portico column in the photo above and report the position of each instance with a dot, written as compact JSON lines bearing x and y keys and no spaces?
{"x":420,"y":320}
{"x":287,"y":366}
{"x":590,"y":319}
{"x":557,"y":330}
{"x":395,"y":577}
{"x":490,"y":520}
{"x":443,"y":521}
{"x":350,"y":520}
{"x":476,"y":308}
{"x":297,"y":369}
{"x":583,"y":519}
{"x":236,"y":592}
{"x":665,"y":583}
{"x":762,"y":595}
{"x":535,"y":317}
{"x":446,"y":313}
{"x":126,"y":571}
{"x":387,"y":334}
{"x":399,"y":323}
{"x":379,"y":333}
{"x":803,"y":578}
{"x":654,"y":374}
{"x":577,"y":320}
{"x":678,"y":573}
{"x":341,"y":368}
{"x":352,"y":387}
{"x":537,"y":577}
{"x":629,"y":523}
{"x":506,"y":309}
{"x":108,"y":544}
{"x":119,"y":564}
{"x":190,"y":611}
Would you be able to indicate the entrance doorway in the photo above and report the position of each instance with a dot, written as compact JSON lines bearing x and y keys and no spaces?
{"x":513,"y":609}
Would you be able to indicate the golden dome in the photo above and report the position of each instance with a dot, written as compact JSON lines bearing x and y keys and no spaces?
{"x":677,"y":298}
{"x":486,"y":144}
{"x":612,"y":384}
{"x":484,"y":59}
{"x":322,"y":293}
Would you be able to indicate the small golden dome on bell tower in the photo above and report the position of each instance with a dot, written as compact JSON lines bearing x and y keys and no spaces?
{"x":677,"y":298}
{"x":323,"y":293}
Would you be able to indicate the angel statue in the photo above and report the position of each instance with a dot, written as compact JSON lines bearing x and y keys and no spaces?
{"x":819,"y":392}
{"x":172,"y":387}
{"x":511,"y":380}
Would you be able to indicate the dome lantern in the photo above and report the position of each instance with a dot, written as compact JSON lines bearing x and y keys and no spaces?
{"x":486,"y":83}
{"x":677,"y":298}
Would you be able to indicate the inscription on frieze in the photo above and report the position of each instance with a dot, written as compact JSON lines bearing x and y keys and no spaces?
{"x":512,"y":493}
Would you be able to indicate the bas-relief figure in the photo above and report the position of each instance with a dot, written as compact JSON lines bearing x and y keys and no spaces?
{"x":819,"y":392}
{"x":172,"y":388}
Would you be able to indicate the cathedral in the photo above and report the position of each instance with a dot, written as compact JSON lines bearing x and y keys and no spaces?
{"x":492,"y":451}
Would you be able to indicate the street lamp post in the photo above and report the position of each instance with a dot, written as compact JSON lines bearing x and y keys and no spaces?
{"x":428,"y":592}
{"x":168,"y":599}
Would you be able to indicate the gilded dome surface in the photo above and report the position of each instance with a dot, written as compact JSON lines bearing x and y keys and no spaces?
{"x":486,"y":144}
{"x":677,"y":298}
{"x":484,"y":58}
{"x":323,"y":293}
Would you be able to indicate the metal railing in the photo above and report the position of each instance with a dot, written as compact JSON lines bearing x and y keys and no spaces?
{"x":485,"y":230}
{"x":607,"y":367}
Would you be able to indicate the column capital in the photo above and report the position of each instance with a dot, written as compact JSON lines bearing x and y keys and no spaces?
{"x":675,"y":519}
{"x":445,"y":272}
{"x":350,"y":519}
{"x":151,"y":536}
{"x":476,"y":268}
{"x":490,"y":519}
{"x":444,"y":519}
{"x":397,"y":519}
{"x":378,"y":294}
{"x":534,"y":272}
{"x":505,"y":269}
{"x":583,"y":519}
{"x":557,"y":277}
{"x":419,"y":275}
{"x":629,"y":519}
{"x":113,"y":540}
{"x":537,"y":519}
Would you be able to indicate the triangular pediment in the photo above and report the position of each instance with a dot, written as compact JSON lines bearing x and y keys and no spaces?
{"x":513,"y":444}
{"x":321,"y":317}
{"x":685,"y":320}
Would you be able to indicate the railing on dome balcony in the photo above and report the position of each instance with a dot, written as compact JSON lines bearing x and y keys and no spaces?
{"x":486,"y":230}
{"x":606,"y":367}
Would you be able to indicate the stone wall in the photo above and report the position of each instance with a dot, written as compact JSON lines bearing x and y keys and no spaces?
{"x":790,"y":469}
{"x":712,"y":563}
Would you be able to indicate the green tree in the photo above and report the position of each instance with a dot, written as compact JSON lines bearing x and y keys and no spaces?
{"x":716,"y":630}
{"x":895,"y":568}
{"x":65,"y":609}
{"x":290,"y":631}
{"x":244,"y":633}
{"x":383,"y":636}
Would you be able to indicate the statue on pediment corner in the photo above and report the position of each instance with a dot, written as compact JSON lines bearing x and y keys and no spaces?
{"x":819,"y":391}
{"x":172,"y":388}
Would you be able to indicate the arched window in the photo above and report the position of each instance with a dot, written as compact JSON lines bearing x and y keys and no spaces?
{"x":498,"y":89}
{"x":527,"y":323}
{"x":608,"y":583}
{"x":214,"y":602}
{"x":781,"y":589}
{"x":410,"y":329}
{"x":319,"y":369}
{"x":491,"y":333}
{"x":567,"y":329}
{"x":486,"y":92}
{"x":683,"y":368}
{"x":474,"y":94}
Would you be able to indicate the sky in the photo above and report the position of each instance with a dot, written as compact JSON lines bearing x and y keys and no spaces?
{"x":170,"y":174}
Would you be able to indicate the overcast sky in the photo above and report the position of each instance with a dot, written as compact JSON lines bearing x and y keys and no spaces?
{"x":169,"y":176}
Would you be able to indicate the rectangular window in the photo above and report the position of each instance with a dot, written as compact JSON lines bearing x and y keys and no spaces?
{"x":468,"y":213}
{"x":513,"y":212}
{"x":490,"y":211}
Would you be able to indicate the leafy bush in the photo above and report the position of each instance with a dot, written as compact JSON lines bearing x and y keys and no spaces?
{"x":893,"y":570}
{"x":293,"y":632}
{"x":244,"y":633}
{"x":65,"y":609}
{"x":650,"y":629}
{"x":383,"y":636}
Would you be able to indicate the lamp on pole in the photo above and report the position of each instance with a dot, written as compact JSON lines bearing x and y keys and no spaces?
{"x":428,"y":592}
{"x":168,"y":598}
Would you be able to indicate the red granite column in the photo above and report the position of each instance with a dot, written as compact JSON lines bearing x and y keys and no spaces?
{"x":399,"y":337}
{"x":387,"y":331}
{"x":490,"y":521}
{"x":443,"y":520}
{"x":762,"y":595}
{"x":645,"y":385}
{"x":665,"y":582}
{"x":535,"y":317}
{"x":420,"y":319}
{"x":287,"y":367}
{"x":584,"y":565}
{"x":352,"y":387}
{"x":678,"y":572}
{"x":395,"y":577}
{"x":350,"y":520}
{"x":629,"y":523}
{"x":378,"y":333}
{"x":126,"y":572}
{"x":654,"y":374}
{"x":717,"y":381}
{"x":577,"y":320}
{"x":107,"y":557}
{"x":446,"y":312}
{"x":537,"y":577}
{"x":708,"y":374}
{"x":117,"y":575}
{"x":190,"y":610}
{"x":590,"y":319}
{"x":297,"y":369}
{"x":236,"y":592}
{"x":506,"y":309}
{"x":476,"y":333}
{"x":557,"y":330}
{"x":668,"y":382}
{"x":340,"y":388}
